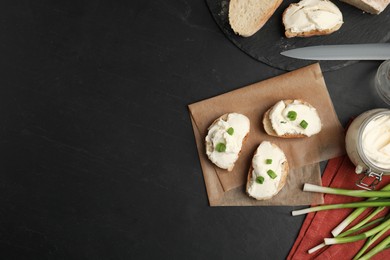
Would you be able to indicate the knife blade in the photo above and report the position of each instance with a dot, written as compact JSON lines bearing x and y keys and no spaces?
{"x":367,"y":51}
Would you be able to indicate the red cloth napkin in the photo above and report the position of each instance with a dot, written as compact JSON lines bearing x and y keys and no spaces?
{"x":339,"y":173}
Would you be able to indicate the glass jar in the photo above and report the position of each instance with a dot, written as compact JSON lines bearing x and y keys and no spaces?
{"x":382,"y":81}
{"x":364,"y":147}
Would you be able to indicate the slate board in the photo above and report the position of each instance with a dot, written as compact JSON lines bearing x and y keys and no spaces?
{"x":269,"y":41}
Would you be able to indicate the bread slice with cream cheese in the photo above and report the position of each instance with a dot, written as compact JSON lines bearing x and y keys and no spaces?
{"x":311,"y":18}
{"x":246,"y":17}
{"x":369,"y":6}
{"x":292,"y":119}
{"x":225,"y":138}
{"x":268,"y":172}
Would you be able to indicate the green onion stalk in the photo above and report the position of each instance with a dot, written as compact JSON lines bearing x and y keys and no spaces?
{"x":385,"y":244}
{"x":355,"y":214}
{"x":371,"y":195}
{"x":350,"y":231}
{"x":341,"y":240}
{"x":352,"y":193}
{"x":371,"y":240}
{"x":375,"y":203}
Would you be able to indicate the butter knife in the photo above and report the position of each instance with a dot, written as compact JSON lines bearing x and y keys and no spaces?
{"x":367,"y":51}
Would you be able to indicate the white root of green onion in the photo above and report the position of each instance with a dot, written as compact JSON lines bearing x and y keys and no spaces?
{"x":318,"y":247}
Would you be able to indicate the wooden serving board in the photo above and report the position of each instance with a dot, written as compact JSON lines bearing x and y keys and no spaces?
{"x":269,"y":41}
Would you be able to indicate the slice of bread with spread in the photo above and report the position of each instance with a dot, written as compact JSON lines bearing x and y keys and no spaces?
{"x":369,"y":6}
{"x":225,"y":138}
{"x":268,"y":172}
{"x":311,"y":18}
{"x":292,"y":119}
{"x":246,"y":17}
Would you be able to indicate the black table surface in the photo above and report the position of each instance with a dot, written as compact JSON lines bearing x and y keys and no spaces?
{"x":98,"y":155}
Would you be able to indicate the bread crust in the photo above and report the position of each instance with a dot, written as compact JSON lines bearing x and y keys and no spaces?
{"x":225,"y":117}
{"x":256,"y":23}
{"x":282,"y":182}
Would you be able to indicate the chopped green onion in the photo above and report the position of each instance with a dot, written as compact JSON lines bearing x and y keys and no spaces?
{"x":283,"y":122}
{"x":272,"y":174}
{"x":230,"y":130}
{"x":303,"y":124}
{"x":292,"y":115}
{"x":220,"y":147}
{"x":268,"y":161}
{"x":376,"y":203}
{"x":260,"y":179}
{"x":353,"y":193}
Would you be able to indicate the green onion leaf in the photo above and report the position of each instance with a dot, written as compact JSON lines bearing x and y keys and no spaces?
{"x":230,"y":131}
{"x":260,"y":179}
{"x":371,"y":241}
{"x":355,"y":214}
{"x":268,"y":161}
{"x":378,"y":248}
{"x":271,"y":174}
{"x":220,"y":147}
{"x":303,"y":124}
{"x":292,"y":115}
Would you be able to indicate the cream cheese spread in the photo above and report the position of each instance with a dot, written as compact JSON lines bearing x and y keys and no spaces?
{"x":376,"y":141}
{"x":295,"y":118}
{"x":310,"y":15}
{"x":224,"y":140}
{"x":261,"y":165}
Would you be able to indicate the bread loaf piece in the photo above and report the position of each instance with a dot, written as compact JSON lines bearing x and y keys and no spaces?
{"x":246,"y":17}
{"x":225,"y":138}
{"x":311,"y":18}
{"x":369,"y":6}
{"x":268,"y":172}
{"x":292,"y":119}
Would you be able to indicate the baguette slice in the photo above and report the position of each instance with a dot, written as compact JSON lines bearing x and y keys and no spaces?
{"x":246,"y":17}
{"x":259,"y":167}
{"x":311,"y":18}
{"x":291,"y":129}
{"x":369,"y":6}
{"x":220,"y":132}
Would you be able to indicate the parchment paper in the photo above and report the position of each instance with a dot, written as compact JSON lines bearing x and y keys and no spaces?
{"x":228,"y":188}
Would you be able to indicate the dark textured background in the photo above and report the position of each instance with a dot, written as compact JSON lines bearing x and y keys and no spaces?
{"x":98,"y":158}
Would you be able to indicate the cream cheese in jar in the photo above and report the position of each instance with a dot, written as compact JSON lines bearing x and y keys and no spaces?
{"x":368,"y":142}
